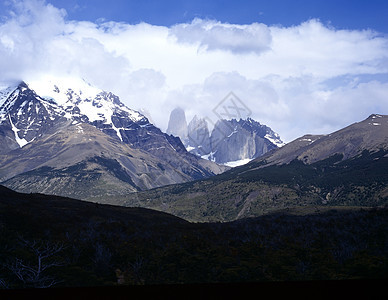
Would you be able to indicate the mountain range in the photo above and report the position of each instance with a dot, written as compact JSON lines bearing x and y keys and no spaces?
{"x":231,"y":142}
{"x":68,"y":138}
{"x":71,"y":139}
{"x":344,"y":168}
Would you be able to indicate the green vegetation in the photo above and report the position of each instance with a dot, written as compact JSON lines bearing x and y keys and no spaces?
{"x":88,"y":244}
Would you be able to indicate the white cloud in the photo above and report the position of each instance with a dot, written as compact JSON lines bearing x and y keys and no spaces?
{"x":24,"y":36}
{"x":212,"y":35}
{"x":312,"y":48}
{"x":37,"y":40}
{"x":308,"y":78}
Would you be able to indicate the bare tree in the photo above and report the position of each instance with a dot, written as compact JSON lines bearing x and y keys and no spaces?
{"x":102,"y":255}
{"x":136,"y":269}
{"x":33,"y":274}
{"x":3,"y":284}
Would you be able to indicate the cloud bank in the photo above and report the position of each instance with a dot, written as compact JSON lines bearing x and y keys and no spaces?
{"x":309,"y":78}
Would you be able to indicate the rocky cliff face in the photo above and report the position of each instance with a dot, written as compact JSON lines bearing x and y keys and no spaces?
{"x":234,"y":140}
{"x":198,"y":141}
{"x":177,"y":124}
{"x":231,"y":140}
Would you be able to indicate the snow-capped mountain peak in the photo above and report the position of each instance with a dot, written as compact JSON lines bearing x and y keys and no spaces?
{"x":92,"y":102}
{"x":24,"y":114}
{"x":37,"y":105}
{"x":63,"y":89}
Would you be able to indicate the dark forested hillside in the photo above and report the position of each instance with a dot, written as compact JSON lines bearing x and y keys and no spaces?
{"x":49,"y":241}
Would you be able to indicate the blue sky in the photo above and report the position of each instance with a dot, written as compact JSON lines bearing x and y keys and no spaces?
{"x":344,"y":14}
{"x":299,"y":66}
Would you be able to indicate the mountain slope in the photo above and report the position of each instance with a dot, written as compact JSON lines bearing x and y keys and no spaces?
{"x":370,"y":134}
{"x":81,"y":129}
{"x":80,"y":161}
{"x":346,"y":168}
